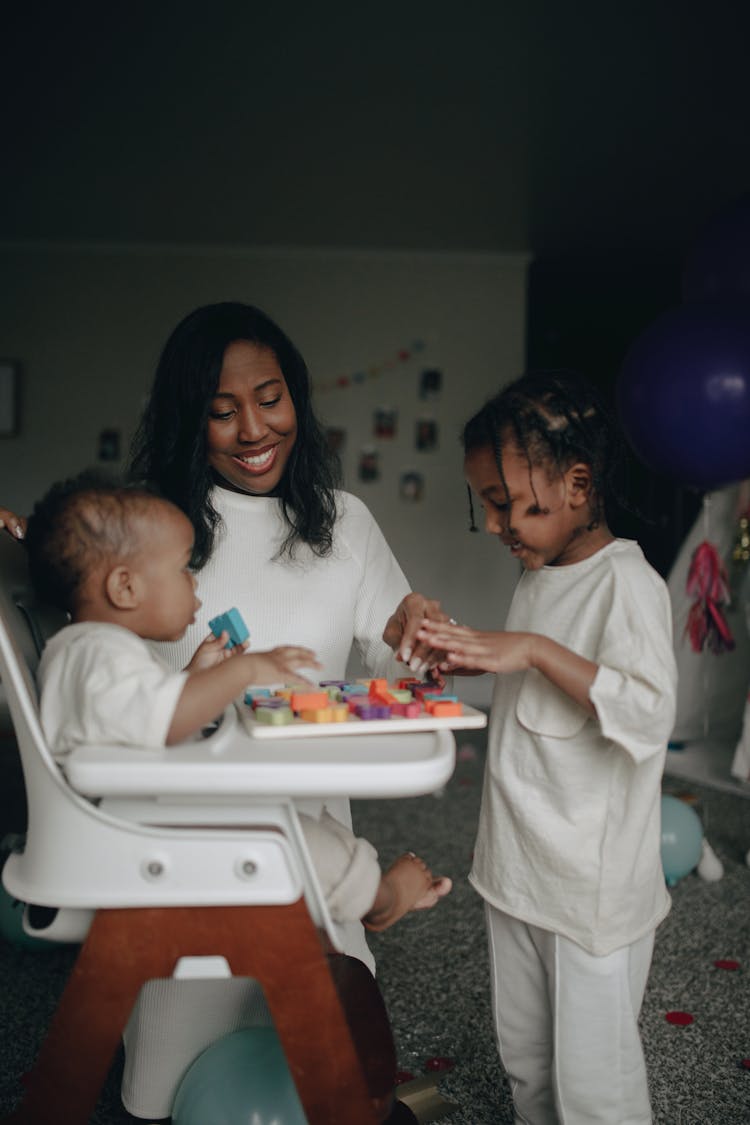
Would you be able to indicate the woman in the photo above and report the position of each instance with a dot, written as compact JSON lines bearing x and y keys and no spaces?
{"x":230,"y":436}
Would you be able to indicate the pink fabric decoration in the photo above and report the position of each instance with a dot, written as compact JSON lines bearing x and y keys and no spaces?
{"x":707,"y":583}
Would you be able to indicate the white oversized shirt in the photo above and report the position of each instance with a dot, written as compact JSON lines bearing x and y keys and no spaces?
{"x":569,"y":831}
{"x":102,"y":685}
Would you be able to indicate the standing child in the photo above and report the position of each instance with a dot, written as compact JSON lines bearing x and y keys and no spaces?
{"x":117,"y":560}
{"x":568,"y":848}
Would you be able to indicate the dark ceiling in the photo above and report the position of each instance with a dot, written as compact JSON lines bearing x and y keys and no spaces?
{"x":545,"y":126}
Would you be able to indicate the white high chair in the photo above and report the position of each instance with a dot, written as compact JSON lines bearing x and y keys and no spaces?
{"x":188,"y":861}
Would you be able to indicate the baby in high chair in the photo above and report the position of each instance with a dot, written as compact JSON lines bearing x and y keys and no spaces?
{"x":117,"y":560}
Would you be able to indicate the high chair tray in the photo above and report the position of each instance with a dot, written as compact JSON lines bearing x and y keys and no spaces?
{"x":298,"y":728}
{"x":230,"y":764}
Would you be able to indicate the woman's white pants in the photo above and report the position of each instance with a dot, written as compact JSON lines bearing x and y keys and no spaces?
{"x":567,"y":1025}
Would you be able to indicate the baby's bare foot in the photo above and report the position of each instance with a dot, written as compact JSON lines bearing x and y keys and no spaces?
{"x":441,"y":886}
{"x":407,"y":885}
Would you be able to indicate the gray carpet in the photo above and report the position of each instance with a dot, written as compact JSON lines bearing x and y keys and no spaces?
{"x":433,"y":973}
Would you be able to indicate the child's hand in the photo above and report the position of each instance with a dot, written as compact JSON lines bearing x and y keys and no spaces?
{"x":212,"y":651}
{"x":475,"y":651}
{"x":281,"y":664}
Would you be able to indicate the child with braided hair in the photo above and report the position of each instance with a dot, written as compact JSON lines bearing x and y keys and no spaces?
{"x":567,"y":855}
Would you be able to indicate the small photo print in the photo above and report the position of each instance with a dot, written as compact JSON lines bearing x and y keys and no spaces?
{"x":109,"y":445}
{"x":369,"y":464}
{"x":430,"y":383}
{"x":426,"y":436}
{"x":336,"y":438}
{"x":384,"y":422}
{"x":411,"y":486}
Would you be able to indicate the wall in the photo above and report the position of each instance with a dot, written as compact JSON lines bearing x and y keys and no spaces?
{"x":87,"y":323}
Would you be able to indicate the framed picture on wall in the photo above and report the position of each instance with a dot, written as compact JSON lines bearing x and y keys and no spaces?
{"x":10,"y":389}
{"x":426,"y":437}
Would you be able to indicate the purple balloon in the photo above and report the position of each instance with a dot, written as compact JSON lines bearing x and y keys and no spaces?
{"x":718,"y":265}
{"x":683,"y":394}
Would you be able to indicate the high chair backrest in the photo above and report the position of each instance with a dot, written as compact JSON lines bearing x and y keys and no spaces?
{"x":79,"y":855}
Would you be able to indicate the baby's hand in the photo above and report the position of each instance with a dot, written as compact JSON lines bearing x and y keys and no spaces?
{"x":282,"y":664}
{"x":212,"y":651}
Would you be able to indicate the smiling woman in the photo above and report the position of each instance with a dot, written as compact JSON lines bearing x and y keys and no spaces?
{"x":252,"y":425}
{"x":230,"y":436}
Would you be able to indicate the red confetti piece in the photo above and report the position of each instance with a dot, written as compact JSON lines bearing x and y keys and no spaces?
{"x":439,"y":1062}
{"x":729,"y":965}
{"x":745,"y":1064}
{"x":682,"y":1019}
{"x":403,"y":1076}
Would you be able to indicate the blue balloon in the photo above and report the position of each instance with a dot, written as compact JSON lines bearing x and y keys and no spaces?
{"x":241,"y":1079}
{"x":683,"y":394}
{"x":681,"y":839}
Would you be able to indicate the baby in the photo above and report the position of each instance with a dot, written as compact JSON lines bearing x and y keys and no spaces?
{"x":117,"y":560}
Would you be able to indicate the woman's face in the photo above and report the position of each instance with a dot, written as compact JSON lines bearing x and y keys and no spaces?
{"x":252,"y":424}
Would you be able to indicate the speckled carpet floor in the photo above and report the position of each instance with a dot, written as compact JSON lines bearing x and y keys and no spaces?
{"x":432,"y":967}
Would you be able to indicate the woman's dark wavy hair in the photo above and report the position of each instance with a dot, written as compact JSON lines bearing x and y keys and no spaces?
{"x":558,"y":417}
{"x":170,"y":448}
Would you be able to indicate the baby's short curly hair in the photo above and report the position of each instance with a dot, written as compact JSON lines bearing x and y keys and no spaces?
{"x":79,"y":524}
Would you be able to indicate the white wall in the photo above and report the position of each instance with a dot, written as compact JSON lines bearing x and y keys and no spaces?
{"x":87,"y":324}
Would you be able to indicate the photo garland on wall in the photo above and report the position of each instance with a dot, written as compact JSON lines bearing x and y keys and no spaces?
{"x":371,"y":370}
{"x":428,"y":387}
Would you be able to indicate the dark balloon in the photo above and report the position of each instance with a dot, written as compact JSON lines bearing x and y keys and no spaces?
{"x":684,"y":394}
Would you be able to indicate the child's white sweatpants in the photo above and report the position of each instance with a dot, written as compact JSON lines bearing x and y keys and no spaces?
{"x":567,"y":1025}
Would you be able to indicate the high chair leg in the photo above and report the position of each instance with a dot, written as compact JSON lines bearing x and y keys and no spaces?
{"x":277,"y":945}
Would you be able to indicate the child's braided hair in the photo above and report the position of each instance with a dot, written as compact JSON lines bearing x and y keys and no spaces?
{"x":553,"y":417}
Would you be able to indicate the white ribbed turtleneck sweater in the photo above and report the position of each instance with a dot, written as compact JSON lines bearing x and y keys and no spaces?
{"x":327,"y":604}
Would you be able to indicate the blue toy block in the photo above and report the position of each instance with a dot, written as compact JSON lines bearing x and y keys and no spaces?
{"x":232,"y":623}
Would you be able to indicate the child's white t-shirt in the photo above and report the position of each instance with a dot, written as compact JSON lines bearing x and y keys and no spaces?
{"x":101,"y":685}
{"x":570,"y":826}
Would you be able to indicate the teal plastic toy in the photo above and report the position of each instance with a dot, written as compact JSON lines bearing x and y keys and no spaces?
{"x":681,"y":839}
{"x":241,"y":1078}
{"x":233,"y":624}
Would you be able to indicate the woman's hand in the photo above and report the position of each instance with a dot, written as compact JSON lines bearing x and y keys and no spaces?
{"x":400,"y":633}
{"x":11,"y":524}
